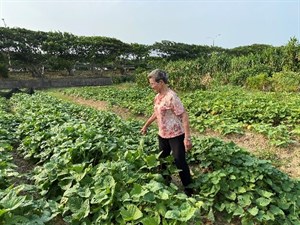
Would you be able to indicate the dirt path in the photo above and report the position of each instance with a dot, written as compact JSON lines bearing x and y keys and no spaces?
{"x":286,"y":159}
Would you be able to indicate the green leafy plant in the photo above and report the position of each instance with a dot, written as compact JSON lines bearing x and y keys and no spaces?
{"x":94,"y":167}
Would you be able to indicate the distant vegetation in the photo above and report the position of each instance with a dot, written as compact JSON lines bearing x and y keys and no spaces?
{"x":257,"y":66}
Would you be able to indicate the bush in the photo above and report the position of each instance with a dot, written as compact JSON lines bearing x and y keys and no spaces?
{"x":220,"y":79}
{"x":239,"y":78}
{"x":259,"y":82}
{"x":286,"y":81}
{"x":117,"y":79}
{"x":141,"y":78}
{"x":3,"y":71}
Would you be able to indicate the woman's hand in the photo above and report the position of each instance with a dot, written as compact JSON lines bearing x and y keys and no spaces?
{"x":144,"y":130}
{"x":187,"y":143}
{"x":147,"y":124}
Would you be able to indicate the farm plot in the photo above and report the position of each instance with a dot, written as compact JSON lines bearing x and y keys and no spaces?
{"x":92,"y":167}
{"x":266,"y":124}
{"x":226,"y":110}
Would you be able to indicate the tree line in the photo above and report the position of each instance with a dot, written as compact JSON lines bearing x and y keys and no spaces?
{"x":35,"y":51}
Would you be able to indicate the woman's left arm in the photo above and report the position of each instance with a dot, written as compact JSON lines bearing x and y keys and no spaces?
{"x":186,"y":126}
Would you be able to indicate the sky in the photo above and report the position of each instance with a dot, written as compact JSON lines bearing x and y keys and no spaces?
{"x":223,"y":23}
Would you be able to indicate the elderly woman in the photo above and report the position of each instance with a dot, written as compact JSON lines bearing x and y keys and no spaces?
{"x":173,"y":125}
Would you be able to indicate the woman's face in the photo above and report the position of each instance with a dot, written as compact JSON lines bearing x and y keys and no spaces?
{"x":156,"y":86}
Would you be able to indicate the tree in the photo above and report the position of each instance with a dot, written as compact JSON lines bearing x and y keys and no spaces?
{"x":249,"y":49}
{"x":62,"y":51}
{"x":291,"y":53}
{"x":109,"y":50}
{"x":25,"y":48}
{"x":138,"y":54}
{"x":177,"y":51}
{"x":3,"y":65}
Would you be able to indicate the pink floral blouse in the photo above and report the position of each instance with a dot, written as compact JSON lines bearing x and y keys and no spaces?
{"x":168,"y":110}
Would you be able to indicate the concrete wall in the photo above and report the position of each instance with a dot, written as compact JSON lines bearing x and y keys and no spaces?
{"x":55,"y":83}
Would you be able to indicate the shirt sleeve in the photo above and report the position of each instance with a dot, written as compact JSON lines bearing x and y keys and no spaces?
{"x":177,"y":105}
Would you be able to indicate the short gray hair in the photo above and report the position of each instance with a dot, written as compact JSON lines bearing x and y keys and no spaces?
{"x":158,"y":75}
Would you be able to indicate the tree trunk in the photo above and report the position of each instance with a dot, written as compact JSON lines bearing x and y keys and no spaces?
{"x":35,"y":71}
{"x":71,"y":71}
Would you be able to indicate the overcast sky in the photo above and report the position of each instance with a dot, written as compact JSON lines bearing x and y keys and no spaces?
{"x":223,"y":23}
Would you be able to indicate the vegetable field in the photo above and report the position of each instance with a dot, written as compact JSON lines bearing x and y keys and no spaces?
{"x":92,"y":167}
{"x":226,"y":110}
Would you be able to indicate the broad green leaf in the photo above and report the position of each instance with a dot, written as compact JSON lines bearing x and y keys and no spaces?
{"x":151,"y":161}
{"x":83,"y":211}
{"x":131,"y":213}
{"x":50,"y":166}
{"x":108,"y":181}
{"x":173,"y":214}
{"x":154,"y":186}
{"x":220,"y":207}
{"x":74,"y":203}
{"x":217,"y":177}
{"x":265,"y":216}
{"x":287,"y":186}
{"x":264,"y":193}
{"x":199,"y":204}
{"x":187,"y":211}
{"x":65,"y":183}
{"x":84,"y":192}
{"x":242,"y":190}
{"x":231,"y":207}
{"x":149,"y":197}
{"x":232,"y":177}
{"x":247,"y":221}
{"x":276,"y":210}
{"x":211,"y":215}
{"x":238,"y":211}
{"x":151,"y":220}
{"x":283,"y":203}
{"x":263,"y":201}
{"x":2,"y":211}
{"x":136,"y":190}
{"x":72,"y":191}
{"x":100,"y":198}
{"x":164,"y":194}
{"x":78,"y":174}
{"x":11,"y":201}
{"x":18,"y":219}
{"x":253,"y":211}
{"x":161,"y":208}
{"x":230,"y":195}
{"x":244,"y":200}
{"x":5,"y":146}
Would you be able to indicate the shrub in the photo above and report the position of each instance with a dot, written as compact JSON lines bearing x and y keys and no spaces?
{"x":141,"y":78}
{"x":286,"y":81}
{"x":117,"y":79}
{"x":259,"y":82}
{"x":240,"y":77}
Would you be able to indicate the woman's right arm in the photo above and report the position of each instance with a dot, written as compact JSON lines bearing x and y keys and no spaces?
{"x":148,"y":123}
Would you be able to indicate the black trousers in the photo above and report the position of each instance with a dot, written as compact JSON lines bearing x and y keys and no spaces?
{"x":176,"y":145}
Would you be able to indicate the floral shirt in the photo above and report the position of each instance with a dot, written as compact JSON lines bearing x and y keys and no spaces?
{"x":168,"y":110}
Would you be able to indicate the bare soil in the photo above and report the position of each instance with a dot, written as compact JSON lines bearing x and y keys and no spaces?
{"x":286,"y":159}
